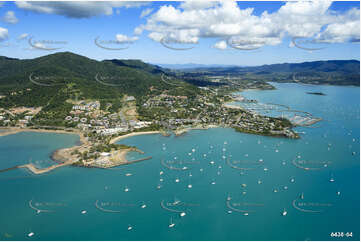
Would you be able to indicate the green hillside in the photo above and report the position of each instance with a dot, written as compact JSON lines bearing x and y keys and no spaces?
{"x":51,"y":81}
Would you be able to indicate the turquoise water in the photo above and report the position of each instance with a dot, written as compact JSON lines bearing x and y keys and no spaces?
{"x":70,"y":190}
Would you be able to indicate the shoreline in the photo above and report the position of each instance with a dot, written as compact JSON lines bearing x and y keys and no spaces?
{"x":16,"y":130}
{"x":113,"y":140}
{"x":59,"y":156}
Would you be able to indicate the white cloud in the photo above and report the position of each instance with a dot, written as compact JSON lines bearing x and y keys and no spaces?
{"x":197,"y":4}
{"x":194,"y":20}
{"x":346,"y":29}
{"x":121,"y":38}
{"x":77,"y":9}
{"x":23,"y":36}
{"x":146,"y":12}
{"x":4,"y":34}
{"x":10,"y":18}
{"x":138,"y":30}
{"x":222,"y":45}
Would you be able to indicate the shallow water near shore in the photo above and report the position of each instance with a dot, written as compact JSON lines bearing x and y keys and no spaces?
{"x":269,"y":183}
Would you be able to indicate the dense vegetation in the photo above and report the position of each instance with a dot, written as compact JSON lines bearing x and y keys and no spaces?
{"x":51,"y":81}
{"x":333,"y":72}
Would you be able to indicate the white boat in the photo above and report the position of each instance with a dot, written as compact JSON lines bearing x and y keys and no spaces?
{"x":159,"y":186}
{"x":284,"y":213}
{"x":30,"y":234}
{"x":130,"y":227}
{"x":201,"y":169}
{"x":265,"y":169}
{"x":128,"y":174}
{"x":190,"y":174}
{"x":259,"y":181}
{"x":229,"y":198}
{"x":292,"y":180}
{"x":245,"y":214}
{"x":143,"y":206}
{"x":171,"y":224}
{"x":177,"y":180}
{"x":213,"y":183}
{"x":83,"y":212}
{"x":161,"y":173}
{"x":285,"y":187}
{"x":212,"y":162}
{"x":126,"y":189}
{"x":229,"y":211}
{"x":161,"y":179}
{"x":176,"y":201}
{"x":182,"y":214}
{"x":338,"y":193}
{"x":302,"y":196}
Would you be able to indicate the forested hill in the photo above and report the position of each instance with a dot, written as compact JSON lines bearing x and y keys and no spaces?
{"x":332,"y":72}
{"x":68,"y":75}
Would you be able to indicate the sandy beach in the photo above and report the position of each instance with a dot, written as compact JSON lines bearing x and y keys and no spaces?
{"x":132,"y":134}
{"x":15,"y":130}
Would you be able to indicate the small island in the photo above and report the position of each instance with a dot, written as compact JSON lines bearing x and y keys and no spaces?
{"x":316,"y":93}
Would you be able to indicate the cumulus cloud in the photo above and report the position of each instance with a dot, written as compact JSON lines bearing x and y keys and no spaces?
{"x":4,"y":34}
{"x":23,"y":36}
{"x":241,"y":28}
{"x":222,"y":45}
{"x":138,"y":30}
{"x":76,"y":9}
{"x":197,"y":4}
{"x":121,"y":38}
{"x":10,"y":18}
{"x":346,"y":29}
{"x":146,"y":12}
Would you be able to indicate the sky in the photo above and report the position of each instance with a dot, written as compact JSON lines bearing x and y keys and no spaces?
{"x":202,"y":32}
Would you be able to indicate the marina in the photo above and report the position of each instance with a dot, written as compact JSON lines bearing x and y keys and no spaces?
{"x":215,"y":187}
